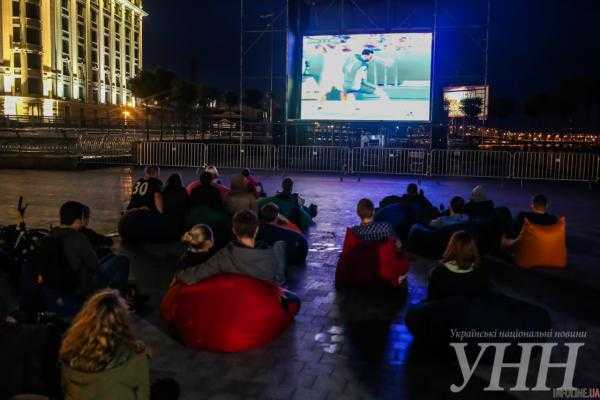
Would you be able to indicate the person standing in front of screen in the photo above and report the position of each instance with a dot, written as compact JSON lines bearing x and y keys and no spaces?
{"x":356,"y":84}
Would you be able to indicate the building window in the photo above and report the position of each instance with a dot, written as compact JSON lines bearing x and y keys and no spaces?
{"x":67,"y":91}
{"x":17,"y":85}
{"x":66,"y":70}
{"x":94,"y":16}
{"x":65,"y":4}
{"x":16,"y":9}
{"x":65,"y":24}
{"x":17,"y":60}
{"x":34,"y":61}
{"x":81,"y":51}
{"x":32,"y":10}
{"x":81,"y":93}
{"x":17,"y":34}
{"x":34,"y":86}
{"x":94,"y":56}
{"x":80,"y":9}
{"x":81,"y":30}
{"x":33,"y":36}
{"x":65,"y":47}
{"x":94,"y":37}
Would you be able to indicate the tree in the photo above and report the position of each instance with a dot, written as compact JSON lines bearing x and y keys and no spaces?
{"x":471,"y":107}
{"x":153,"y":88}
{"x":185,"y":99}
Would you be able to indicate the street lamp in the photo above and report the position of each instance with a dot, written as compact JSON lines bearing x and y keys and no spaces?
{"x":125,"y":116}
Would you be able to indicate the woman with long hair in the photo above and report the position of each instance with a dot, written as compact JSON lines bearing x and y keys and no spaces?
{"x":460,"y":272}
{"x":100,"y":357}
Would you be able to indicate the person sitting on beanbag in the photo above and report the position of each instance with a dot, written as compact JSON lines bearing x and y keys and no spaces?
{"x":214,"y":181}
{"x":479,"y":206}
{"x":457,"y":214}
{"x":240,"y":197}
{"x":200,"y":243}
{"x":241,"y":256}
{"x":254,"y":185}
{"x":291,"y":205}
{"x":542,"y":238}
{"x":369,"y":230}
{"x":372,"y":255}
{"x":538,"y":215}
{"x":419,"y":203}
{"x":459,"y":273}
{"x":271,"y":231}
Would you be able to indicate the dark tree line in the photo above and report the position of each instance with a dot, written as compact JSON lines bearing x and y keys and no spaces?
{"x":573,"y":103}
{"x":161,"y":92}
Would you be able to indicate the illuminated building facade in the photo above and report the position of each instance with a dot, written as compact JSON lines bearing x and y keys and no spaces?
{"x":69,"y":58}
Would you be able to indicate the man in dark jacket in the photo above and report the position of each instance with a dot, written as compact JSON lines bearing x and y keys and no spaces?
{"x":538,"y":215}
{"x":89,"y":273}
{"x":242,"y":256}
{"x":421,"y":206}
{"x":269,"y":232}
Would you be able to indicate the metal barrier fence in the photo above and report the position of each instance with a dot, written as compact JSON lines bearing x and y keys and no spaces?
{"x":391,"y":161}
{"x":470,"y":163}
{"x":171,"y":154}
{"x":556,"y":166}
{"x":313,"y":158}
{"x":240,"y":156}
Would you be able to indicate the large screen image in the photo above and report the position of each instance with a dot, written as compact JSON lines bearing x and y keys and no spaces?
{"x":366,"y":77}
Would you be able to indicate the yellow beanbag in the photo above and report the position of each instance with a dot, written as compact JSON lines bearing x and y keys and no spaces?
{"x":542,"y":246}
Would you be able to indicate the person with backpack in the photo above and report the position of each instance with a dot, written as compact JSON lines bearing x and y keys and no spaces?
{"x":67,"y":267}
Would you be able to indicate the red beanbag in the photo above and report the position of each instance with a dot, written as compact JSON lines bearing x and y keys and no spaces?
{"x":542,"y":246}
{"x":291,"y":226}
{"x":369,"y":264}
{"x":227,"y":313}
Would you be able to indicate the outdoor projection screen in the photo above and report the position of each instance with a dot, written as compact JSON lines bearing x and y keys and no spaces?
{"x":366,"y":77}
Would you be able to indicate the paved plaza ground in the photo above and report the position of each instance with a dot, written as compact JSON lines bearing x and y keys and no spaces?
{"x":342,"y":345}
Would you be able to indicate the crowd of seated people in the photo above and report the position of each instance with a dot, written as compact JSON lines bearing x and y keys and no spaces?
{"x":234,"y":230}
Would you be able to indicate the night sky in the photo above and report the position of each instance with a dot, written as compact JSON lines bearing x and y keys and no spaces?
{"x":534,"y":43}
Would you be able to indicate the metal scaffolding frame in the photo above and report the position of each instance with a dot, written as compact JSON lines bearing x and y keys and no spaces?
{"x":274,"y":23}
{"x":255,"y":30}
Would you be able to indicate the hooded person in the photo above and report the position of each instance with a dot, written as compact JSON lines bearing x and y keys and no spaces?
{"x":240,"y":197}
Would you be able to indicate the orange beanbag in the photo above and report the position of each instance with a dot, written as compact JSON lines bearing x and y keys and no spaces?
{"x":542,"y":246}
{"x":369,"y":264}
{"x":227,"y":313}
